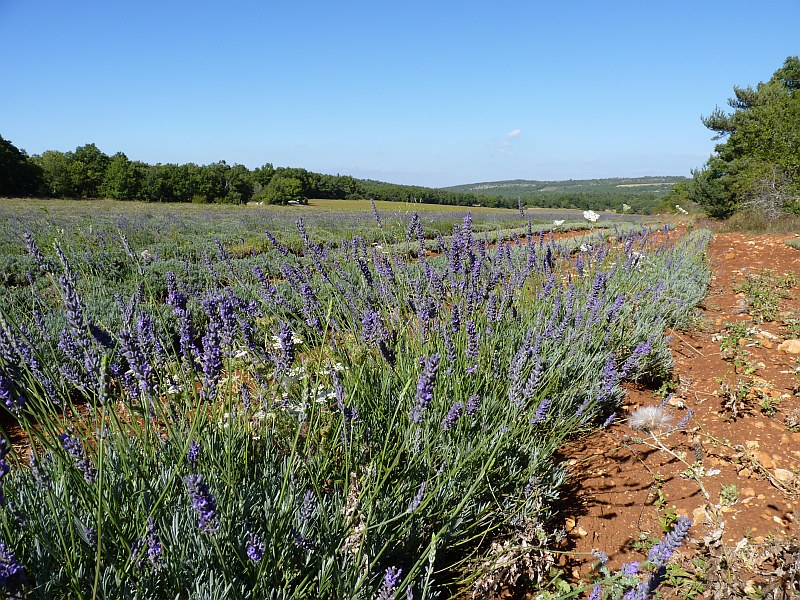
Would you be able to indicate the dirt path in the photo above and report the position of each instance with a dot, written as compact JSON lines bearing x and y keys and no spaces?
{"x":733,"y":470}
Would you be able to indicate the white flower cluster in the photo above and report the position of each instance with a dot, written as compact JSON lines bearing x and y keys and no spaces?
{"x":590,"y":216}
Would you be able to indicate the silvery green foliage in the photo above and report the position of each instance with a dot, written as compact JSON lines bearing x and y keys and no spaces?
{"x":331,"y":437}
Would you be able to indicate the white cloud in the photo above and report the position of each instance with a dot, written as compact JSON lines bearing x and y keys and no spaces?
{"x":514,"y":133}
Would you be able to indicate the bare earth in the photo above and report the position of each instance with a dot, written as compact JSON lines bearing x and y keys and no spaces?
{"x":743,"y":434}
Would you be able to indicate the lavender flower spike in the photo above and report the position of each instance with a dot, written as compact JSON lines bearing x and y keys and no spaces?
{"x":425,"y":388}
{"x":660,"y":553}
{"x":194,"y":451}
{"x":417,"y":498}
{"x":203,"y":503}
{"x":453,"y":415}
{"x":541,"y":412}
{"x":11,"y":571}
{"x":74,"y":448}
{"x":255,"y":547}
{"x":390,"y":581}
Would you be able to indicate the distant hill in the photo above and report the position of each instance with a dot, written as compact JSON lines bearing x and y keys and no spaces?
{"x":529,"y":188}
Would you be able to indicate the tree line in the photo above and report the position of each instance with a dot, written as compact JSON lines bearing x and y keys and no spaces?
{"x":87,"y":172}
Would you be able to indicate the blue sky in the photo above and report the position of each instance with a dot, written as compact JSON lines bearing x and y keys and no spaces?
{"x":430,"y":93}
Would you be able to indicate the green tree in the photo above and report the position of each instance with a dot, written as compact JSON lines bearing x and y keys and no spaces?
{"x":122,"y":179}
{"x":88,"y":168}
{"x":57,"y":180}
{"x":282,"y":189}
{"x":19,"y":176}
{"x":758,"y":164}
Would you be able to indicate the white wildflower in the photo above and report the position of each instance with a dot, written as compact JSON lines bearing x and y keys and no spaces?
{"x":625,"y":207}
{"x":586,"y":247}
{"x":276,"y":343}
{"x":649,"y":418}
{"x":558,"y":222}
{"x":590,"y":216}
{"x":681,"y":210}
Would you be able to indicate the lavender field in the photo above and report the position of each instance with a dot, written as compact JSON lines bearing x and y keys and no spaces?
{"x":282,"y":403}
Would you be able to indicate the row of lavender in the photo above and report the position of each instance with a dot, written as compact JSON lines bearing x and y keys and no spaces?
{"x":358,"y":423}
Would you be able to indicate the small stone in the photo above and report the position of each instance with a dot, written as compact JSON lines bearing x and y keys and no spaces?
{"x":569,"y":524}
{"x":778,"y":520}
{"x":581,"y":531}
{"x":790,"y":346}
{"x":699,"y":515}
{"x":784,"y":476}
{"x":751,"y":444}
{"x":748,"y":491}
{"x":745,"y":473}
{"x":766,"y":344}
{"x":765,"y":460}
{"x":729,"y":256}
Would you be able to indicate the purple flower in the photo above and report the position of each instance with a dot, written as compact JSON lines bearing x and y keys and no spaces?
{"x":600,"y":555}
{"x":8,"y":396}
{"x":175,"y":298}
{"x":417,"y":500}
{"x":389,"y":585}
{"x":132,"y":350}
{"x":255,"y":547}
{"x":472,"y":340}
{"x":630,"y":569}
{"x":636,"y":357}
{"x":147,"y":547}
{"x":282,"y":249}
{"x":310,"y":306}
{"x":91,"y":535}
{"x":203,"y":503}
{"x":286,"y":342}
{"x":4,"y":467}
{"x":33,"y":250}
{"x":610,"y":379}
{"x":375,"y":213}
{"x":11,"y":570}
{"x":660,"y":553}
{"x":473,"y":404}
{"x":37,"y":469}
{"x":308,"y":507}
{"x":541,"y":412}
{"x":301,"y":228}
{"x":74,"y":448}
{"x":453,"y":415}
{"x":596,"y":594}
{"x":425,"y":387}
{"x":194,"y":451}
{"x":685,"y":420}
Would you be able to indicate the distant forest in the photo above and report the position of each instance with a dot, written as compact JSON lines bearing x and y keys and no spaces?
{"x":87,"y":172}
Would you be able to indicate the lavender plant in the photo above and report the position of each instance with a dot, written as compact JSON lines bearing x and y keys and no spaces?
{"x":319,"y":422}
